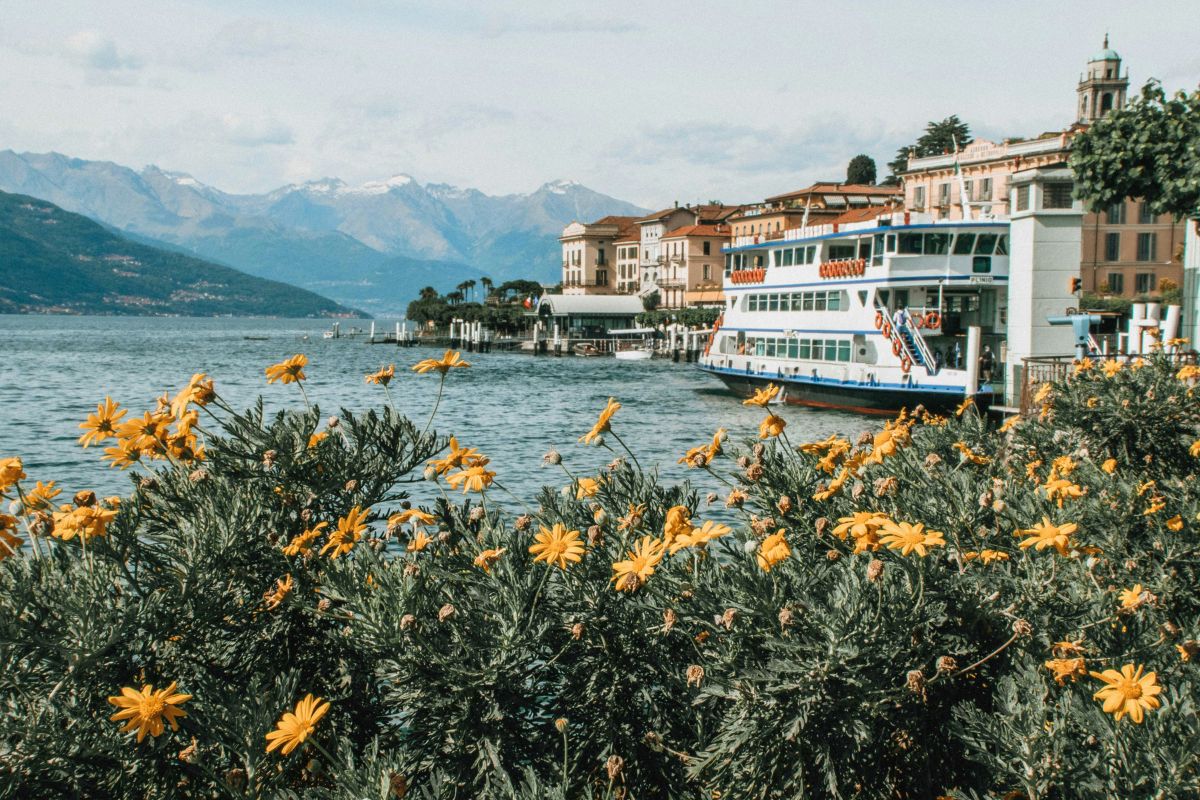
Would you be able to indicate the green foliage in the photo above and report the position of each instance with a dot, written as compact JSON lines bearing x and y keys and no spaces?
{"x":861,"y":169}
{"x":56,"y":261}
{"x":652,"y":301}
{"x":1150,"y":149}
{"x":850,"y":669}
{"x":938,"y":138}
{"x":692,"y":317}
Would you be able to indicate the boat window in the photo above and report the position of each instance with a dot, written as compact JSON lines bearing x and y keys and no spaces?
{"x":910,"y":244}
{"x":1002,"y":245}
{"x":835,"y":301}
{"x":884,"y":295}
{"x":862,"y":298}
{"x":985,"y":244}
{"x":810,"y":254}
{"x":752,"y":302}
{"x":981,"y":264}
{"x":964,"y":244}
{"x":937,"y":244}
{"x":864,"y":249}
{"x":787,"y":257}
{"x":837,"y":251}
{"x":819,"y":301}
{"x":728,"y":262}
{"x":773,"y":302}
{"x":797,"y":301}
{"x":770,"y":348}
{"x":891,"y":242}
{"x":808,"y":301}
{"x":831,"y":348}
{"x":758,"y":260}
{"x":843,"y":350}
{"x":876,"y":253}
{"x":793,"y":348}
{"x":901,"y":298}
{"x":804,"y":349}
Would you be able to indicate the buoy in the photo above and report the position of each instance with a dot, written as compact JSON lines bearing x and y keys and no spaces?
{"x":933,"y":319}
{"x":887,"y":330}
{"x":896,"y":348}
{"x":905,"y":364}
{"x":878,"y":320}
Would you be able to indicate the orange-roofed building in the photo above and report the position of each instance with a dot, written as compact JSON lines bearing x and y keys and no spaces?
{"x":589,"y":252}
{"x":821,"y":202}
{"x":691,"y":273}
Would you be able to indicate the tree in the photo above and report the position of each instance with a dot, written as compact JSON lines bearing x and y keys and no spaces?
{"x":939,"y":137}
{"x":650,"y":302}
{"x":487,"y":286}
{"x":861,"y":170}
{"x":428,"y":293}
{"x":1150,"y":149}
{"x":520,"y":288}
{"x":470,"y":287}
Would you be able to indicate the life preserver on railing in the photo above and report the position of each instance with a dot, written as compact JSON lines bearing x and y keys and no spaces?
{"x":933,"y":320}
{"x":887,"y":330}
{"x":918,"y":321}
{"x":896,"y":348}
{"x":905,"y":364}
{"x":878,"y":320}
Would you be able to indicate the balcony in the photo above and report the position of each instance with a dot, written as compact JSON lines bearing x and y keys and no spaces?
{"x":573,"y":284}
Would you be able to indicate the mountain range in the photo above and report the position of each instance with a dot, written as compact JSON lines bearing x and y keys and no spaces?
{"x":369,"y":245}
{"x":54,"y":261}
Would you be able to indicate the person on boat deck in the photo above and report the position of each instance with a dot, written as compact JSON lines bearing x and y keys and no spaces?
{"x":939,"y":359}
{"x":987,"y":362}
{"x":898,"y":318}
{"x":956,"y":356}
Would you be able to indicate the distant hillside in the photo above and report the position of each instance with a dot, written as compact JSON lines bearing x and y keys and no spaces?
{"x":352,"y":243}
{"x":55,"y":261}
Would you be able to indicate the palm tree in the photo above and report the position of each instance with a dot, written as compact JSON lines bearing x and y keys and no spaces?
{"x":470,"y":287}
{"x":462,"y":289}
{"x":455,"y":297}
{"x":487,"y":285}
{"x":428,"y":293}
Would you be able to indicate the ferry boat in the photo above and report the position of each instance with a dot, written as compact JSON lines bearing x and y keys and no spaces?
{"x":872,"y":316}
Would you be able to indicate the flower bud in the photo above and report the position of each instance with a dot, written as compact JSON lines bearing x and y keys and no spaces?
{"x":750,"y":546}
{"x":864,"y":438}
{"x":236,"y":778}
{"x":577,"y":631}
{"x":411,"y":570}
{"x":932,"y":460}
{"x":598,"y":441}
{"x":85,"y":498}
{"x":728,"y":617}
{"x":398,"y":785}
{"x":695,"y":674}
{"x":711,"y":498}
{"x":784,"y":504}
{"x":407,"y":621}
{"x":594,"y":535}
{"x":832,"y":555}
{"x":915,"y":681}
{"x":874,"y":570}
{"x":446,"y":612}
{"x":476,"y":514}
{"x":754,"y":472}
{"x":946,"y":664}
{"x":523,"y":522}
{"x":786,"y":616}
{"x":614,"y":766}
{"x":1022,"y":628}
{"x":324,"y":604}
{"x":560,"y":724}
{"x":552,"y":458}
{"x":430,"y":474}
{"x":332,"y":422}
{"x":669,"y":620}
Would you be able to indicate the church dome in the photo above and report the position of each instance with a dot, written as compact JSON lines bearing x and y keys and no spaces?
{"x":1106,"y":55}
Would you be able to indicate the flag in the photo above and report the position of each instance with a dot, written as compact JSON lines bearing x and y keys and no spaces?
{"x":528,"y":302}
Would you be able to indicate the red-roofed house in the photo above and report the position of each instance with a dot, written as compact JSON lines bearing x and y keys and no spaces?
{"x":691,"y":272}
{"x":822,"y":202}
{"x":589,"y":254}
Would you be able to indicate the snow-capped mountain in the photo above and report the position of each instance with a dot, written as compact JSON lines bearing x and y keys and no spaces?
{"x":325,"y":232}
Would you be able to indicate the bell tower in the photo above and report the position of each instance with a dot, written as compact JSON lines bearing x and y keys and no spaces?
{"x":1102,"y":88}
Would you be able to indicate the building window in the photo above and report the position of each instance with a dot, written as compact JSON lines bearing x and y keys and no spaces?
{"x":919,"y":198}
{"x":1144,"y":282}
{"x":1147,"y":246}
{"x":1023,"y":198}
{"x":707,"y":271}
{"x":1116,"y":214}
{"x":1145,"y":215}
{"x":600,"y":256}
{"x":707,"y":248}
{"x":1112,"y":247}
{"x":1057,"y":195}
{"x":943,"y":194}
{"x":1116,"y":283}
{"x":602,"y":277}
{"x":985,"y":189}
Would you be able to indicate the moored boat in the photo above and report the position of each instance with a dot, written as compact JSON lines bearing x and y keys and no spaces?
{"x":872,"y":316}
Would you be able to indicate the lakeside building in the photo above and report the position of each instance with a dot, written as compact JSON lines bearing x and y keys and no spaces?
{"x":589,"y":252}
{"x":692,"y":267}
{"x":586,"y":317}
{"x":628,"y":264}
{"x":821,"y":202}
{"x":1126,"y":250}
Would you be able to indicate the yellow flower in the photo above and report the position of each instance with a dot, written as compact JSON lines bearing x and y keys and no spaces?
{"x":301,"y":544}
{"x":603,"y":424}
{"x":124,"y":455}
{"x":1111,"y":367}
{"x":986,"y":556}
{"x":1031,"y":469}
{"x":10,"y":542}
{"x":772,"y":550}
{"x":859,"y":524}
{"x":909,"y":538}
{"x":1194,"y":449}
{"x":963,"y":406}
{"x":771,"y":426}
{"x":1109,"y":465}
{"x":834,"y":486}
{"x":451,"y":360}
{"x":632,"y":573}
{"x":1063,"y":466}
{"x":474,"y":478}
{"x":1092,"y":402}
{"x":487,"y":558}
{"x":1157,"y":504}
{"x":697,"y":537}
{"x":709,"y":451}
{"x":275,"y":597}
{"x":198,"y":391}
{"x":414,"y":515}
{"x":289,"y":371}
{"x":349,"y":529}
{"x":146,"y":433}
{"x":1047,"y":535}
{"x":633,"y":518}
{"x":1062,"y":489}
{"x":317,"y":438}
{"x":1133,"y":598}
{"x":145,"y":710}
{"x":418,"y":542}
{"x":1010,"y":423}
{"x":557,"y":546}
{"x":457,"y":457}
{"x":762,"y":396}
{"x":1188,"y":372}
{"x":101,"y":425}
{"x":1083,"y":365}
{"x":586,"y":487}
{"x":1064,"y":668}
{"x":11,"y":471}
{"x":970,"y":455}
{"x":40,"y":495}
{"x":1175,"y":523}
{"x":86,"y":522}
{"x":1128,"y":692}
{"x":383,"y":376}
{"x":1042,"y":393}
{"x":678,"y":522}
{"x":294,"y":727}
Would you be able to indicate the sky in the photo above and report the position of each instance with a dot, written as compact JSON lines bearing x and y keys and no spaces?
{"x":647,"y":102}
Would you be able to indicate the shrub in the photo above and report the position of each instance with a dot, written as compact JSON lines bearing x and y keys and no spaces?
{"x":934,"y":609}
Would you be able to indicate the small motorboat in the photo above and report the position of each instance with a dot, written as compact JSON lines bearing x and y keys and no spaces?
{"x":634,"y":353}
{"x":586,"y":349}
{"x":633,"y":344}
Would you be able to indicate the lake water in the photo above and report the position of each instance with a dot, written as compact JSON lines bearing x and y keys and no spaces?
{"x":513,"y":407}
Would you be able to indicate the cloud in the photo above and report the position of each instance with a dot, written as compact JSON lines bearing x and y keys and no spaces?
{"x":251,"y":38}
{"x":254,"y":131}
{"x":94,"y":51}
{"x":499,"y":26}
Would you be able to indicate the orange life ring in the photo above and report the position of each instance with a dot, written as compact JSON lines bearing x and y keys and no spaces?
{"x":896,"y":348}
{"x":918,"y":321}
{"x":905,"y":364}
{"x":822,"y":271}
{"x":933,"y":320}
{"x":862,"y":266}
{"x":878,"y":320}
{"x":887,"y":330}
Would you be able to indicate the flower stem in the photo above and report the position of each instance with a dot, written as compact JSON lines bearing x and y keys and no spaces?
{"x":437,"y":402}
{"x":621,"y":442}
